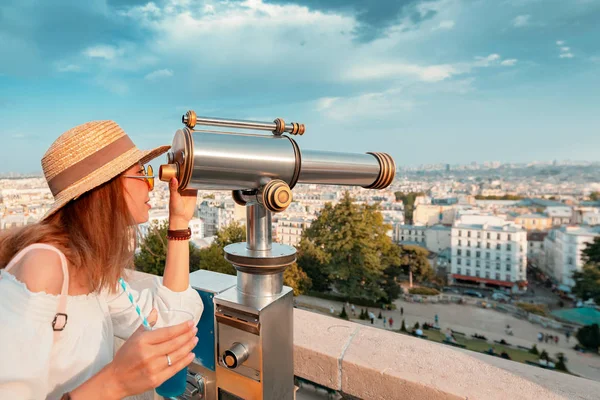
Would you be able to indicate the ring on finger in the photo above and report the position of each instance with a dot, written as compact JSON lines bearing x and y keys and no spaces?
{"x":169,"y":360}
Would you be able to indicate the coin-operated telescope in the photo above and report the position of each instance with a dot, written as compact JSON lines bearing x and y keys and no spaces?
{"x":253,"y":320}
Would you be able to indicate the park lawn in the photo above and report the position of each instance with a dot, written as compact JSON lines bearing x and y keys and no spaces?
{"x":481,"y":346}
{"x":515,"y":354}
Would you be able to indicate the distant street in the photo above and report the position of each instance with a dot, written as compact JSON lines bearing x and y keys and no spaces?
{"x":470,"y":320}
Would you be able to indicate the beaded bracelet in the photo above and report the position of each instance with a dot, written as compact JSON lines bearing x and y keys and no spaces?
{"x":179,"y":234}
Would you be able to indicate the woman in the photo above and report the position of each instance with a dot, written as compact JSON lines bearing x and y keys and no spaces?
{"x":60,"y":301}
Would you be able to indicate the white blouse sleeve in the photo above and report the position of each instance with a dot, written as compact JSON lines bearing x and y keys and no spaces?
{"x":26,"y":340}
{"x":126,"y":320}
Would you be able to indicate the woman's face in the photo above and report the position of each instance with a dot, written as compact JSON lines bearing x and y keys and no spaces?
{"x":137,"y":194}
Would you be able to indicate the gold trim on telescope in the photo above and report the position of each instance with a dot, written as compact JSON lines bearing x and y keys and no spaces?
{"x":168,"y":171}
{"x":276,"y":195}
{"x":189,"y":119}
{"x":387,"y":171}
{"x":279,"y":126}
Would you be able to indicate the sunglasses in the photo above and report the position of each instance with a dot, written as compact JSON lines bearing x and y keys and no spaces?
{"x":148,"y":176}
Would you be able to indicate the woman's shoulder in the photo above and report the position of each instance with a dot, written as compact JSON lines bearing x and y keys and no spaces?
{"x":40,"y":269}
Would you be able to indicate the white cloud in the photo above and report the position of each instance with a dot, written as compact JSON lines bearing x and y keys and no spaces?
{"x":102,"y":51}
{"x":69,"y":68}
{"x":521,"y":20}
{"x":325,"y":103}
{"x":209,"y":9}
{"x":486,"y":61}
{"x":423,"y":73}
{"x":445,"y":25}
{"x":150,"y":10}
{"x":564,"y":51}
{"x":159,"y":74}
{"x":311,"y":46}
{"x":432,"y":73}
{"x":372,"y":104}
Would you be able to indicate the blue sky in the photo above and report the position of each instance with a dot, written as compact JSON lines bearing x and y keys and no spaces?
{"x":450,"y":81}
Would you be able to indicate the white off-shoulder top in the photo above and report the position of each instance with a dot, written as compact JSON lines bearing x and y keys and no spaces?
{"x":35,"y":365}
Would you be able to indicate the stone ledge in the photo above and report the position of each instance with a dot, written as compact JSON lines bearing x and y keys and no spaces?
{"x":371,"y":363}
{"x":378,"y":364}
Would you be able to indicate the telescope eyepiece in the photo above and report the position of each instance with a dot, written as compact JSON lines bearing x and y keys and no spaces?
{"x":166,"y":172}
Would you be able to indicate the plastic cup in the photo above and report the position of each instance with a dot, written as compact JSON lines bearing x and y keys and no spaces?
{"x":176,"y":385}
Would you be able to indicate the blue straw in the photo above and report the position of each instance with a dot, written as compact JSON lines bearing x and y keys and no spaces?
{"x":137,"y":307}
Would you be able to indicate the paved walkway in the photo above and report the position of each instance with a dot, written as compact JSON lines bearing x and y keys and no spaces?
{"x":470,"y":320}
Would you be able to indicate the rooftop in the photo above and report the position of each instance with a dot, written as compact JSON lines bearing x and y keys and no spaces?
{"x":540,"y":202}
{"x":581,"y":230}
{"x":532,"y":215}
{"x":581,"y":316}
{"x":496,"y":228}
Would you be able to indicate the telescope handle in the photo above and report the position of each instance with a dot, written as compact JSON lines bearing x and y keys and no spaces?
{"x":278,"y":126}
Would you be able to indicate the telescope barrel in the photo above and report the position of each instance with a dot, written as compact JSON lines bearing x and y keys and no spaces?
{"x":240,"y":162}
{"x":219,"y":161}
{"x":332,"y":168}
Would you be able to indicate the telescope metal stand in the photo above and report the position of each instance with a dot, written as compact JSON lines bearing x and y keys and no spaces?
{"x":254,"y":328}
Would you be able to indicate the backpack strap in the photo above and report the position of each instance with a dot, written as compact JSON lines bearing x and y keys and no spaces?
{"x":60,"y":319}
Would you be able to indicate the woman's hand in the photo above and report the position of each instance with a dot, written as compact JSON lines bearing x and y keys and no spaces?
{"x":141,"y":362}
{"x":181,"y":206}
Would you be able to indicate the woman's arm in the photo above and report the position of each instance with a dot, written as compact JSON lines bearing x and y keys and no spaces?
{"x":140,"y":364}
{"x":103,"y":385}
{"x":181,"y":210}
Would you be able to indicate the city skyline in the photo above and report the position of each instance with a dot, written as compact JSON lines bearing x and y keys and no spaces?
{"x":430,"y":82}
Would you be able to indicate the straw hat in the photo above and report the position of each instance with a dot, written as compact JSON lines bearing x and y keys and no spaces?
{"x":87,"y":156}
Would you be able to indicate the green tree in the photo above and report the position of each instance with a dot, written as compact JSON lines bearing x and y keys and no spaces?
{"x":153,"y":250}
{"x":534,"y":350}
{"x":297,"y":279}
{"x":343,"y":314}
{"x":347,"y":248}
{"x":589,"y":337}
{"x":390,"y":283}
{"x":408,"y":199}
{"x":313,"y":260}
{"x":595,"y":196}
{"x":414,"y":260}
{"x":587,"y":281}
{"x":232,"y":233}
{"x":403,"y":327}
{"x":212,"y":258}
{"x":561,"y":363}
{"x":591,"y":253}
{"x":503,"y":197}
